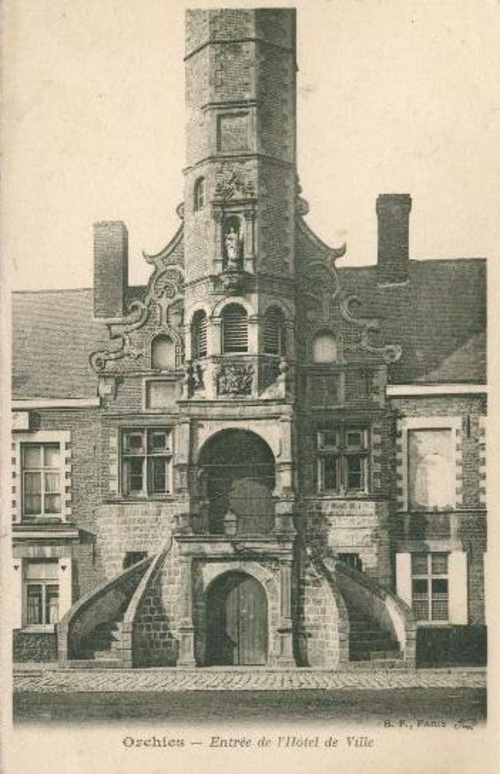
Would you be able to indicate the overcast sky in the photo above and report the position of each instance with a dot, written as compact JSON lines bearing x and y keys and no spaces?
{"x":393,"y":96}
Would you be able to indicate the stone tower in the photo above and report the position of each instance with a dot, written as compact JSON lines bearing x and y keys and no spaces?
{"x":240,"y":177}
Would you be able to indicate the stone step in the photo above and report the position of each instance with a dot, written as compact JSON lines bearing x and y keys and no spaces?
{"x":376,"y":664}
{"x":370,"y":634}
{"x":90,"y":663}
{"x":106,"y":655}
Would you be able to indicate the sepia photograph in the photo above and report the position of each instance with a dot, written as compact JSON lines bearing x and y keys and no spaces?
{"x":245,"y":255}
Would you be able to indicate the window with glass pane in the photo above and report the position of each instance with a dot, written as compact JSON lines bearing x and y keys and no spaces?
{"x":430,"y":597}
{"x":146,"y":462}
{"x":41,"y":479}
{"x":342,"y":460}
{"x":42,"y":593}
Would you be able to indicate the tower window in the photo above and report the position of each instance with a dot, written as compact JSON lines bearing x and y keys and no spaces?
{"x":199,"y":335}
{"x":199,"y":193}
{"x":324,"y":349}
{"x":234,"y":329}
{"x":274,"y":332}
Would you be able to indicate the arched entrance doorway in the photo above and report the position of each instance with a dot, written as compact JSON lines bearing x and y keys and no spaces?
{"x":236,"y":605}
{"x":238,"y":473}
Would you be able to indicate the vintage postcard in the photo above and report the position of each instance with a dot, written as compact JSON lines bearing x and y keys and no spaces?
{"x":246,"y":252}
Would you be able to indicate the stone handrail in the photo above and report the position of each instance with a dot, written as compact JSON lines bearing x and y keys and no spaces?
{"x":385,"y":607}
{"x":102,"y":604}
{"x":127,"y":656}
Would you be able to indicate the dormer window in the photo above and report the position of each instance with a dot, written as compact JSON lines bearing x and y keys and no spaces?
{"x":199,"y":194}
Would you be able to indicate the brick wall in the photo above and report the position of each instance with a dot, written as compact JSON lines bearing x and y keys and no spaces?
{"x":34,"y":646}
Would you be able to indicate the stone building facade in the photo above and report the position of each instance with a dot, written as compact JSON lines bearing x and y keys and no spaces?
{"x":261,"y":458}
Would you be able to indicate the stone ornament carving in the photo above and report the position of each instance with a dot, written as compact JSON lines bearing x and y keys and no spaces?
{"x":166,"y":285}
{"x":334,"y":294}
{"x":232,"y":281}
{"x":235,"y":378}
{"x":233,"y":182}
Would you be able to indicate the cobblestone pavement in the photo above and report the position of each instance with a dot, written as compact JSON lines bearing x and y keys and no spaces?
{"x":170,"y":680}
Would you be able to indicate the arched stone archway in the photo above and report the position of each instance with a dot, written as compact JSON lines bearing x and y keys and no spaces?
{"x":237,"y":474}
{"x":237,"y":621}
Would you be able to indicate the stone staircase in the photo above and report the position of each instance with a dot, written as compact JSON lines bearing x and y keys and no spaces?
{"x":368,"y":642}
{"x":373,"y":641}
{"x":106,"y":643}
{"x":103,"y":649}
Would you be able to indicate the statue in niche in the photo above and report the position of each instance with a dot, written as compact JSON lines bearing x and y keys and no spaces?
{"x":233,"y":244}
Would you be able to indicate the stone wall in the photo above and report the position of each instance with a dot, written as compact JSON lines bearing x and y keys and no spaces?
{"x":34,"y":646}
{"x":155,"y":639}
{"x":124,"y":527}
{"x":319,"y":628}
{"x":351,"y":526}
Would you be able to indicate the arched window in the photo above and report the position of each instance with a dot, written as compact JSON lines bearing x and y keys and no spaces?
{"x":234,"y":329}
{"x":274,"y":332}
{"x":199,"y":194}
{"x":199,"y":335}
{"x":163,"y":352}
{"x":324,"y":349}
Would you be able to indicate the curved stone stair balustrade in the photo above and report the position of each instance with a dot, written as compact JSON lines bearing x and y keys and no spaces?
{"x":382,"y":629}
{"x":95,"y":629}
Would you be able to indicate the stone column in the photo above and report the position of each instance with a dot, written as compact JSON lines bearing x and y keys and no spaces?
{"x":249,"y":243}
{"x":186,"y":628}
{"x":285,"y":658}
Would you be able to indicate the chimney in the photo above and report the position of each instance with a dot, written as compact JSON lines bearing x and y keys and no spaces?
{"x":393,"y":211}
{"x":110,"y":268}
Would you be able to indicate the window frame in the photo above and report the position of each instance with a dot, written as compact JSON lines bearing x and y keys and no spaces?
{"x":199,"y":194}
{"x":147,"y":455}
{"x":199,"y":332}
{"x":42,"y":470}
{"x":45,"y":584}
{"x":338,"y":451}
{"x":274,"y":323}
{"x":438,"y":422}
{"x":224,"y":316}
{"x":429,"y":577}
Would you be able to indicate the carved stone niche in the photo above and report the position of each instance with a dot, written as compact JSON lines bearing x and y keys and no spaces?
{"x":235,"y":378}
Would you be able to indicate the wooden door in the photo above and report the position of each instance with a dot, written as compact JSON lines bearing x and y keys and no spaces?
{"x":246,"y":621}
{"x":237,"y":618}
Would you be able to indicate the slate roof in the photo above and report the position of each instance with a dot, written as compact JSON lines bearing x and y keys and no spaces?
{"x":53,"y":334}
{"x":438,"y":318}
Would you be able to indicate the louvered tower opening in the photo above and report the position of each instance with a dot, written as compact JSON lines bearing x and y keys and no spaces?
{"x":234,"y":329}
{"x":274,"y":332}
{"x":199,"y":335}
